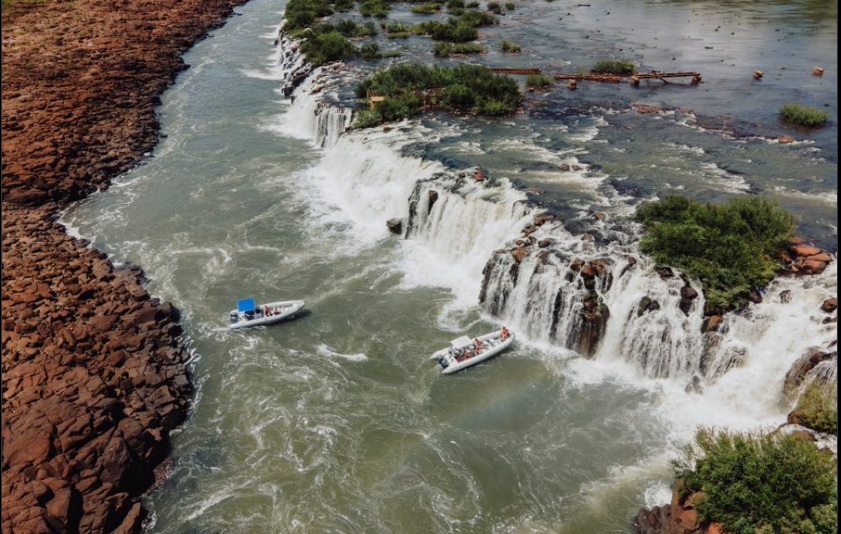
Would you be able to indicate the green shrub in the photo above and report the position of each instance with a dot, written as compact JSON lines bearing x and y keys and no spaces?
{"x":804,"y":116}
{"x":729,"y":248}
{"x":466,"y":89}
{"x":760,"y":482}
{"x":468,"y":48}
{"x":326,"y":47}
{"x":510,"y":47}
{"x":442,"y":49}
{"x":300,"y":14}
{"x":475,"y":18}
{"x":540,"y":81}
{"x":619,"y":67}
{"x":398,"y":31}
{"x":375,"y":8}
{"x":472,"y":5}
{"x":510,"y":6}
{"x":494,"y":7}
{"x":370,"y":51}
{"x":818,"y":406}
{"x":427,"y":9}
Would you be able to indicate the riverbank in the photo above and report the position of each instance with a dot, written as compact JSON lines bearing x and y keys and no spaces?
{"x":94,"y":371}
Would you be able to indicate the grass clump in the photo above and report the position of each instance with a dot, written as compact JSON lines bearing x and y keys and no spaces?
{"x":428,"y":8}
{"x":619,"y":67}
{"x":409,"y":88}
{"x":538,"y":81}
{"x":804,"y":116}
{"x":325,"y":47}
{"x":760,"y":483}
{"x":447,"y":49}
{"x":375,"y":8}
{"x":510,"y":47}
{"x":818,"y":407}
{"x":395,"y":30}
{"x":728,"y":247}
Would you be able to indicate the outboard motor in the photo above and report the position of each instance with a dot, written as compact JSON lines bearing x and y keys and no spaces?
{"x":234,"y":317}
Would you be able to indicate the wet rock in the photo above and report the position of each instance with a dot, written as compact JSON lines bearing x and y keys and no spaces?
{"x":395,"y":226}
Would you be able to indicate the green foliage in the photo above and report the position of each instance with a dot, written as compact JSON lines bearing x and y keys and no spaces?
{"x":326,"y":47}
{"x":464,"y":89}
{"x":301,"y":14}
{"x":495,"y":7}
{"x":818,"y":406}
{"x":538,"y":80}
{"x":370,"y":51}
{"x":452,"y":31}
{"x":428,"y":8}
{"x":510,"y":6}
{"x":468,"y":48}
{"x":476,"y":18}
{"x":804,"y":116}
{"x":729,"y":248}
{"x":760,"y":482}
{"x":375,"y":8}
{"x":398,"y":31}
{"x":442,"y":49}
{"x":620,"y":67}
{"x":472,"y":5}
{"x":510,"y":47}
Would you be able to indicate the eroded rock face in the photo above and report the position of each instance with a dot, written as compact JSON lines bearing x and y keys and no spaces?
{"x":94,"y":372}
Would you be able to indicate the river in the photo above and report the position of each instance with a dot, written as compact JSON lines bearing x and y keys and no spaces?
{"x":338,"y":421}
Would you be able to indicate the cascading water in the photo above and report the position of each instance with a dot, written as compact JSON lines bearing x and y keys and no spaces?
{"x":598,"y":296}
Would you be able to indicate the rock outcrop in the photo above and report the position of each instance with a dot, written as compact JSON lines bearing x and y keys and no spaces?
{"x":94,"y":371}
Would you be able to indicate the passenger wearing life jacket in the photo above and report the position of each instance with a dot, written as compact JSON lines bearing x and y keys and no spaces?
{"x":504,"y":334}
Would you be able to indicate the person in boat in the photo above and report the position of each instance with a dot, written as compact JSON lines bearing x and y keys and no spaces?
{"x":477,"y":346}
{"x":504,"y":334}
{"x":267,"y":311}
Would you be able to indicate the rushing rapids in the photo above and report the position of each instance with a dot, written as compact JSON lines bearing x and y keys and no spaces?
{"x":588,"y":289}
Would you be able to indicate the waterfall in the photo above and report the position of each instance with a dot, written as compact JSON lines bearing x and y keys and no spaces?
{"x":588,"y":289}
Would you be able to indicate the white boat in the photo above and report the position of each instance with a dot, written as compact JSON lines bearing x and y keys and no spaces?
{"x":249,"y":313}
{"x":464,"y":352}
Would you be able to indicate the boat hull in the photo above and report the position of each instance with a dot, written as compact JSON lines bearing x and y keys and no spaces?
{"x":281,"y":311}
{"x":493,"y":346}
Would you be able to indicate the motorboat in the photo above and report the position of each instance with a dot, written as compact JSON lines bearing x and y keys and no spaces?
{"x":464,"y":352}
{"x":249,"y":313}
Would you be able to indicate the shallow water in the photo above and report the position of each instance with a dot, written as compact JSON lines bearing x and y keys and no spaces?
{"x":338,"y":421}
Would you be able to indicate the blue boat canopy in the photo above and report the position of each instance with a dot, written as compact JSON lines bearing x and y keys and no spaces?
{"x":246,"y":305}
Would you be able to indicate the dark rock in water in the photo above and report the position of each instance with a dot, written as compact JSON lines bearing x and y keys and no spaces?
{"x":395,"y":226}
{"x":685,"y":305}
{"x":654,"y":521}
{"x":665,"y":272}
{"x":631,"y":262}
{"x":711,"y":323}
{"x":801,"y":368}
{"x":647,"y":305}
{"x":433,"y":197}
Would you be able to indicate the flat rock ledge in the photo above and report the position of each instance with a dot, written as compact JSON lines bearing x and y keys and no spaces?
{"x":94,"y":370}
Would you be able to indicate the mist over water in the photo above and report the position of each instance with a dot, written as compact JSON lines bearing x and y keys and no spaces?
{"x":338,"y":421}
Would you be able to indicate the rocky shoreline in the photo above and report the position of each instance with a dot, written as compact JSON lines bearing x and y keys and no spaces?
{"x":94,"y":369}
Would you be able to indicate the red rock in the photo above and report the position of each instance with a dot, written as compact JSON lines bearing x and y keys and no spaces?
{"x":823,"y":256}
{"x":830,"y":305}
{"x":812,"y":267}
{"x":805,"y":250}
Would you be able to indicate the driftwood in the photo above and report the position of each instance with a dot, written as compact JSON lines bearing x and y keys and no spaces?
{"x":635,"y":77}
{"x":515,"y":71}
{"x":590,"y":77}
